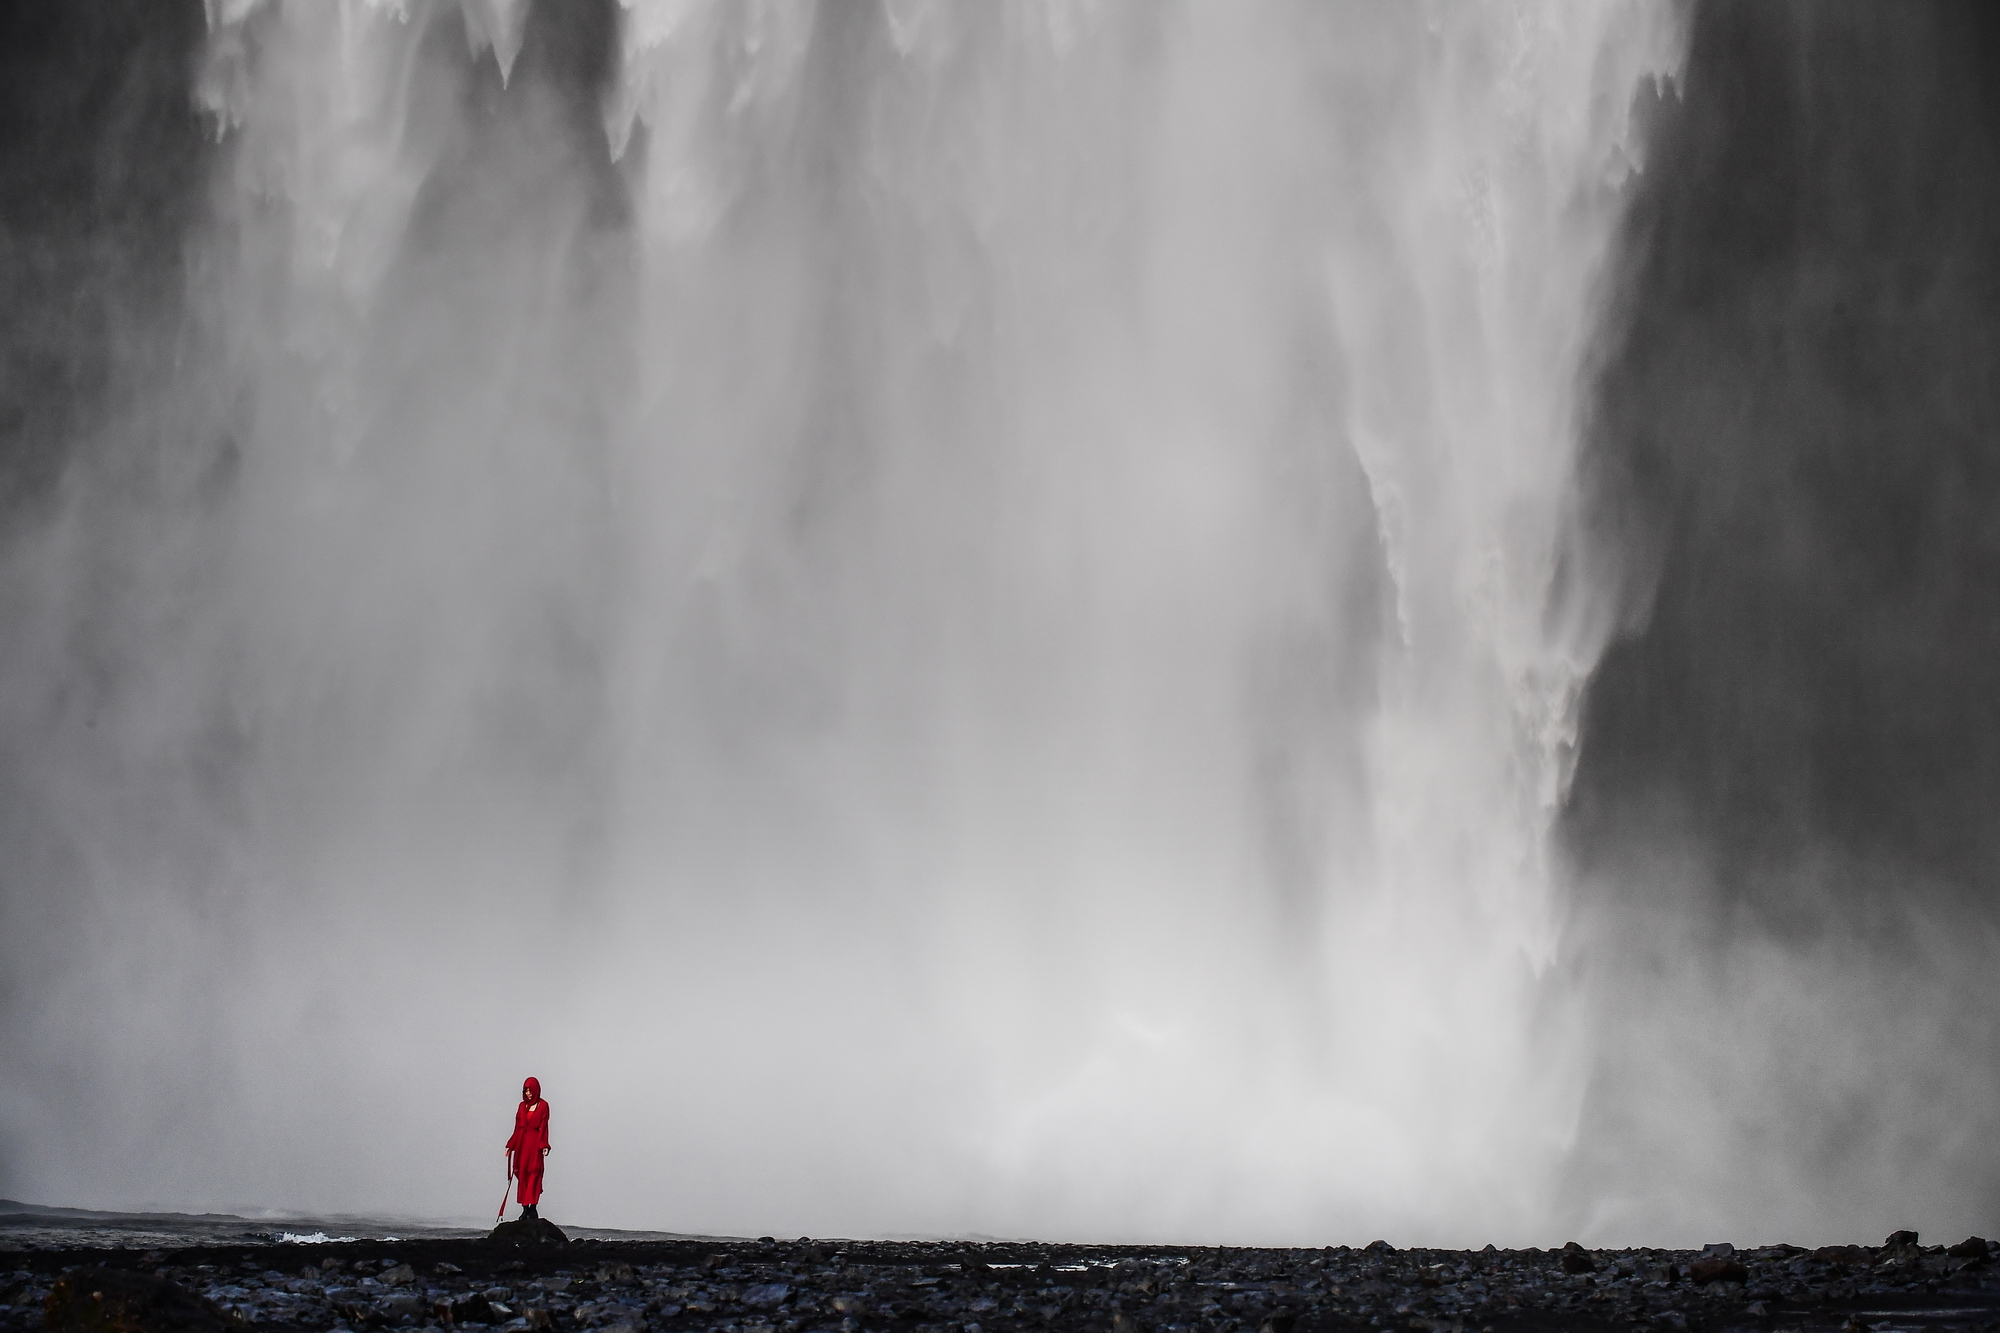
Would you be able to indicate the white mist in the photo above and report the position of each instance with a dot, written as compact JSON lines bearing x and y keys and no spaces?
{"x":983,"y":657}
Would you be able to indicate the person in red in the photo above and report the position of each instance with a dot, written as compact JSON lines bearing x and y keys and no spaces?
{"x":528,"y":1146}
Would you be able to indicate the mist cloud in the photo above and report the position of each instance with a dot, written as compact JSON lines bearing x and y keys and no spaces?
{"x":977,"y":620}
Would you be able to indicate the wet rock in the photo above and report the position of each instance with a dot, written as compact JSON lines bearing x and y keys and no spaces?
{"x":1847,"y":1256}
{"x":474,"y":1309}
{"x":110,"y":1300}
{"x":766,"y":1296}
{"x":1972,"y":1247}
{"x":1717,"y":1268}
{"x":402,"y":1275}
{"x":400,"y":1305}
{"x":1900,"y":1238}
{"x":527,"y":1231}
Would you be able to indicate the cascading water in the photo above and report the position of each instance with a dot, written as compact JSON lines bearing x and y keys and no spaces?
{"x":943,"y":616}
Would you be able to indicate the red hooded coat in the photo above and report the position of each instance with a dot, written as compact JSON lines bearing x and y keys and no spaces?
{"x":530,"y":1141}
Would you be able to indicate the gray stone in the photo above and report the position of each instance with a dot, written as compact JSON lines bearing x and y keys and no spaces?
{"x":766,"y":1296}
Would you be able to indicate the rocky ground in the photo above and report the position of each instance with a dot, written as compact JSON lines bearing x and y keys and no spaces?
{"x":805,"y":1286}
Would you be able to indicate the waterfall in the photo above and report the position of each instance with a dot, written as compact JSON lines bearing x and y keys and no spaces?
{"x":946,"y":617}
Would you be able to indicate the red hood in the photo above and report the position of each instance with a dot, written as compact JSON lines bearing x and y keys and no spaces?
{"x":531,"y":1090}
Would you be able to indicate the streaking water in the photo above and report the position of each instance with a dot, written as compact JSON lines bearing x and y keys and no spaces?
{"x":945,"y":617}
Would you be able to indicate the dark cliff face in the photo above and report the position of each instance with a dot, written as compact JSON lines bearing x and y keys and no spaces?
{"x":1798,"y":447}
{"x":102,"y":177}
{"x":1793,"y":759}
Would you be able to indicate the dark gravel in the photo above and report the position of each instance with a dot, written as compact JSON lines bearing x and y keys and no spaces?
{"x":945,"y":1287}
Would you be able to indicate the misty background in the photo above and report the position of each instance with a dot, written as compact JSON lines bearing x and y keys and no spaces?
{"x":1245,"y":623}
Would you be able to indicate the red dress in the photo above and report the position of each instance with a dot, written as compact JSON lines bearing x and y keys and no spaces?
{"x":530,"y":1141}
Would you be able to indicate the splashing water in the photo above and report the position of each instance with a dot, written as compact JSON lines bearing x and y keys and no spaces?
{"x":943,"y":616}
